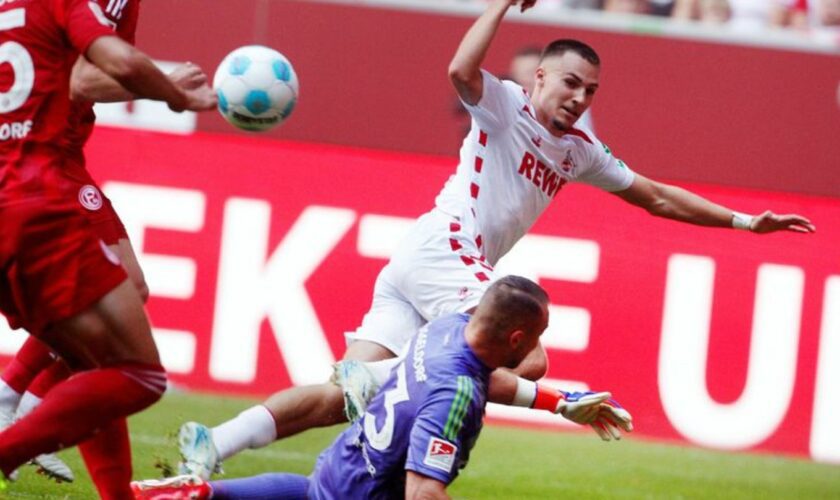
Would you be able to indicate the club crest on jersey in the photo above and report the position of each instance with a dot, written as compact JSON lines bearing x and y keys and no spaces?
{"x":440,"y":454}
{"x":90,"y":197}
{"x":568,"y":164}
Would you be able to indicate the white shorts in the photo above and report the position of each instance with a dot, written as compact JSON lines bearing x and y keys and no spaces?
{"x":436,"y":270}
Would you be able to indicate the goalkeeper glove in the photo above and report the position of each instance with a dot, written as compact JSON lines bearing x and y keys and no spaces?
{"x":596,"y":409}
{"x":612,"y":419}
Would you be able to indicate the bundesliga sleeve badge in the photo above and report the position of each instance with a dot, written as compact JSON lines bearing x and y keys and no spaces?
{"x":440,"y":454}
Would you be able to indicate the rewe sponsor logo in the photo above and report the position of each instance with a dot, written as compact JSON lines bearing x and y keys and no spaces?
{"x":544,"y":177}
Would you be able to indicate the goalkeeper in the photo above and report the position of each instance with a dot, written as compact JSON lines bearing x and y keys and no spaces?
{"x":418,"y":430}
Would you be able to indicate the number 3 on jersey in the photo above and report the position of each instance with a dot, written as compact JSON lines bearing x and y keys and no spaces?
{"x":19,"y":59}
{"x":381,"y":439}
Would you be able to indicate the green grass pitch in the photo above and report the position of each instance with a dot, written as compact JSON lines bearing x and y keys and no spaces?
{"x":507,"y":463}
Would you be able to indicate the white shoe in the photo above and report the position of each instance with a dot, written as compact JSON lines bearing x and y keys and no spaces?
{"x":53,"y":467}
{"x":198,"y":453}
{"x":358,"y":385}
{"x":7,"y":418}
{"x":48,"y":464}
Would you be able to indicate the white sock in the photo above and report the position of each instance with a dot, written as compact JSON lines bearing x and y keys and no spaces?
{"x":9,"y":398}
{"x":253,"y":428}
{"x":381,"y":369}
{"x":526,"y":393}
{"x":27,"y":403}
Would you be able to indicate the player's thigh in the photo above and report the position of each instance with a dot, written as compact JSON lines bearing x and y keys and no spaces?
{"x":112,"y":331}
{"x":128,"y":258}
{"x":445,"y":283}
{"x":440,"y":269}
{"x":387,"y":327}
{"x":107,"y":225}
{"x":366,"y":350}
{"x":54,"y":266}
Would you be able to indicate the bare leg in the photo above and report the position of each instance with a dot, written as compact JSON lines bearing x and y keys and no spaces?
{"x":363,"y":350}
{"x":49,"y":464}
{"x":125,"y":252}
{"x":300,"y":408}
{"x":114,"y":331}
{"x":120,"y":374}
{"x":283,"y":414}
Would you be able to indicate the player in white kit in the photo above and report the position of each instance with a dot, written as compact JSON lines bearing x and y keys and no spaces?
{"x":520,"y":153}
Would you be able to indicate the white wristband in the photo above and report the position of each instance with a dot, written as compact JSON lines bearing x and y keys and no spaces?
{"x":526,"y":393}
{"x":741,"y":221}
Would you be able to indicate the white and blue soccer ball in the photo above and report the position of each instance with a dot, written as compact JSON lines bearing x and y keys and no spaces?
{"x":257,"y":88}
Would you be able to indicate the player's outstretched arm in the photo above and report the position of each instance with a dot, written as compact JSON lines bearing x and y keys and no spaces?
{"x":420,"y":487}
{"x":465,"y":68}
{"x":672,"y":202}
{"x":89,"y":83}
{"x":137,"y":73}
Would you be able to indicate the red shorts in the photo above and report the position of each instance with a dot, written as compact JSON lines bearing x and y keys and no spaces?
{"x":54,"y":263}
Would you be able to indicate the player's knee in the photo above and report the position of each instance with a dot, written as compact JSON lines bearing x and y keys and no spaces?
{"x":534,"y":371}
{"x":150,"y":380}
{"x":534,"y":367}
{"x":143,"y":290}
{"x":366,"y":351}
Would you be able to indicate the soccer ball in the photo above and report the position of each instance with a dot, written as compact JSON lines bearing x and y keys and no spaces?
{"x":257,"y":88}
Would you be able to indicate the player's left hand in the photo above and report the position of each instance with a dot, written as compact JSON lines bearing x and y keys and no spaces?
{"x":769,"y":222}
{"x":581,"y":407}
{"x":523,"y":4}
{"x":188,"y":76}
{"x":526,"y":4}
{"x":202,"y":98}
{"x":612,"y":419}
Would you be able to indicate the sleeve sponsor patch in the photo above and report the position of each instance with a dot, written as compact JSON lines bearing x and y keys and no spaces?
{"x":440,"y":454}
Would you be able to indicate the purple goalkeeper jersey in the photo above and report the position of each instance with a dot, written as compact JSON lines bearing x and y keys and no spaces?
{"x":425,"y":418}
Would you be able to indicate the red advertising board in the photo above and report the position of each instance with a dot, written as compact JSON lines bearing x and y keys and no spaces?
{"x":260,"y":254}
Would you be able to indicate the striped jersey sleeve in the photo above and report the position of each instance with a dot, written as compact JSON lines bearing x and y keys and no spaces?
{"x":446,"y":427}
{"x":458,"y":409}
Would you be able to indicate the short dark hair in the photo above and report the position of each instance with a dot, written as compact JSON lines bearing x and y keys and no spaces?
{"x":512,"y":303}
{"x":563,"y":45}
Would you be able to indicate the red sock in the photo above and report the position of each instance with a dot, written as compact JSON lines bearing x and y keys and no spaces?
{"x":107,"y":456}
{"x":547,"y":398}
{"x":33,"y":357}
{"x":48,"y":379}
{"x":76,"y":408}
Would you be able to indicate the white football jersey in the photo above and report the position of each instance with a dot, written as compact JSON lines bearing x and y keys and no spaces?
{"x":511,"y":168}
